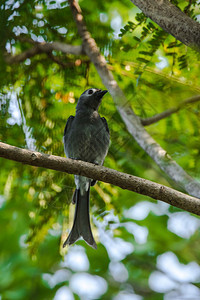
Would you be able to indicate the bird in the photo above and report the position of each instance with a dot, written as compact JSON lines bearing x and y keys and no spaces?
{"x":86,"y":138}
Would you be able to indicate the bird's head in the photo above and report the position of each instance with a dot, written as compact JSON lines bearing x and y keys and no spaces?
{"x":91,"y":99}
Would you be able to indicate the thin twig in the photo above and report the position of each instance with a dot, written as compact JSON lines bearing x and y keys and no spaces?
{"x":153,"y":71}
{"x":43,"y":48}
{"x":170,"y":111}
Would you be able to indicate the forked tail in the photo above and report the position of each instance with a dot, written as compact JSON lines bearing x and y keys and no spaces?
{"x":81,"y":226}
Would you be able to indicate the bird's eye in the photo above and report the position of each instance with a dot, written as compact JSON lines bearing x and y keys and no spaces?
{"x":90,"y":92}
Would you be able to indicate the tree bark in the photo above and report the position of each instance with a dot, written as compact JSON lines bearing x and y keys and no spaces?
{"x":172,"y":20}
{"x":124,"y":181}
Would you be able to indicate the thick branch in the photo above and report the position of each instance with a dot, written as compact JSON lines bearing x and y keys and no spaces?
{"x":172,"y":20}
{"x":125,"y":181}
{"x":170,"y":111}
{"x":44,"y":48}
{"x":133,"y":123}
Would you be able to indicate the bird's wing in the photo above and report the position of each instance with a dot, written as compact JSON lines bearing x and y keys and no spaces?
{"x":105,"y":124}
{"x":68,"y":125}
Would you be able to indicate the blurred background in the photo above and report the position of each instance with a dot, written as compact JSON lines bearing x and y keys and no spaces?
{"x":146,"y":249}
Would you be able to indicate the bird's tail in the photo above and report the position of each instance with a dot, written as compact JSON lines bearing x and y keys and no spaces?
{"x":81,"y":226}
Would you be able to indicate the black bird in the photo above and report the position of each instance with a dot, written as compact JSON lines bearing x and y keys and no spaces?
{"x":86,"y":137}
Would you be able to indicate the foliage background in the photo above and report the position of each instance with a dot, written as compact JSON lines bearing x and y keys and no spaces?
{"x":146,"y":250}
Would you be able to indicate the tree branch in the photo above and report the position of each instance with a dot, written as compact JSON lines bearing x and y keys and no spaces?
{"x":172,"y":20}
{"x":124,"y":181}
{"x":133,"y":123}
{"x":43,"y":48}
{"x":170,"y":111}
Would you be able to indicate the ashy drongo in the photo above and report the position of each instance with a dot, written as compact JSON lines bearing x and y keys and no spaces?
{"x":86,"y":137}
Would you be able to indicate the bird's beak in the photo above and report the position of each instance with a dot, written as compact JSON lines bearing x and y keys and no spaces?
{"x":101,"y":93}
